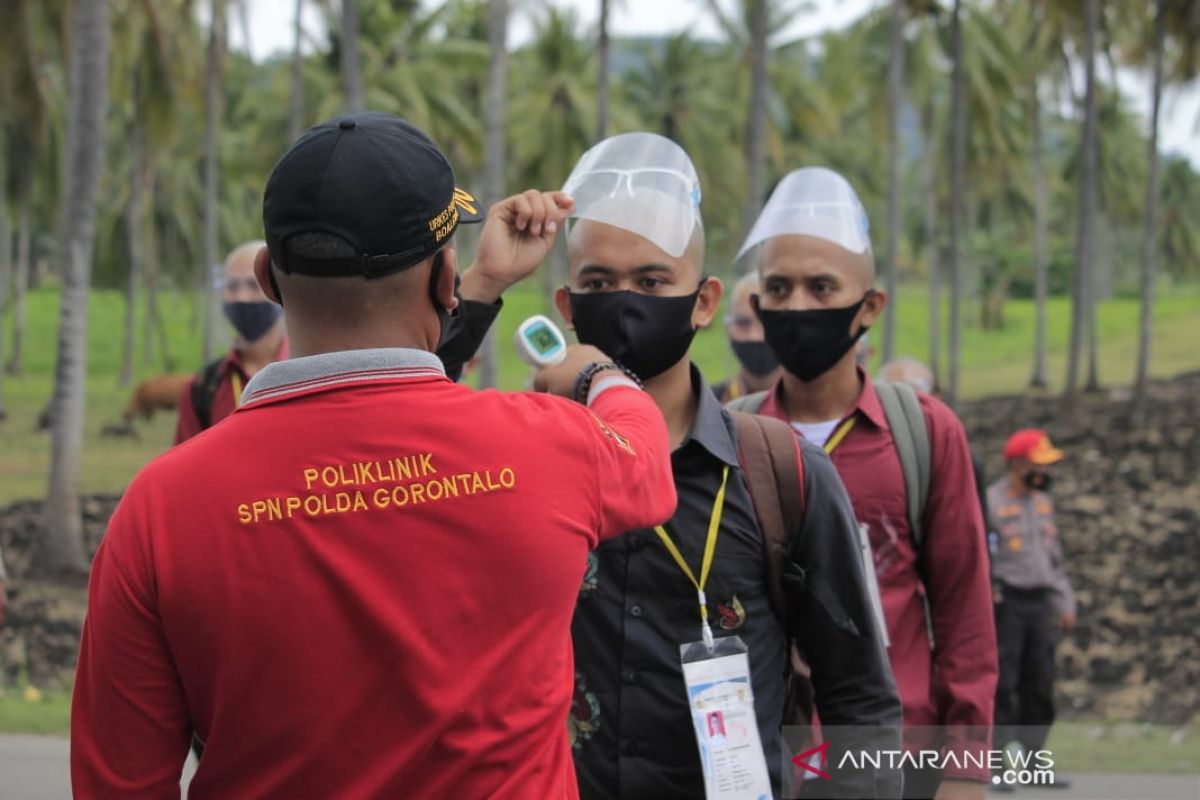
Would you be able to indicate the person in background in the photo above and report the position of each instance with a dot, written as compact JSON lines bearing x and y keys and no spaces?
{"x":864,"y":351}
{"x":216,"y":390}
{"x":817,"y":296}
{"x":1032,"y":593}
{"x":759,"y":366}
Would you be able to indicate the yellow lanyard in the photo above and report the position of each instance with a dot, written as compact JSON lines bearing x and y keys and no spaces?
{"x":839,"y":434}
{"x":235,"y":381}
{"x":710,"y":547}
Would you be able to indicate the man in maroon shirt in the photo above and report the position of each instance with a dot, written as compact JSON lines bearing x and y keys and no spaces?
{"x":361,"y":583}
{"x":217,"y":389}
{"x":816,"y":298}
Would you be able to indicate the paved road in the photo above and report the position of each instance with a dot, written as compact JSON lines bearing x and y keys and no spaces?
{"x":35,"y":768}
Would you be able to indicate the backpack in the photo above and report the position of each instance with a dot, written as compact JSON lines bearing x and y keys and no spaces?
{"x":910,"y":436}
{"x":204,"y":391}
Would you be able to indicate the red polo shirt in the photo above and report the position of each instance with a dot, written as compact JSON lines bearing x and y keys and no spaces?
{"x":360,"y":585}
{"x":233,"y":378}
{"x":954,"y":684}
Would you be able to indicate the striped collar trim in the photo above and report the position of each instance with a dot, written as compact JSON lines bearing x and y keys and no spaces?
{"x":341,"y":368}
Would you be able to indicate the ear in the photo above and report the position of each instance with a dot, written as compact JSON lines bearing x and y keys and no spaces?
{"x":872,"y":307}
{"x":563,"y":303}
{"x":262,"y":274}
{"x":708,"y":302}
{"x":446,"y":279}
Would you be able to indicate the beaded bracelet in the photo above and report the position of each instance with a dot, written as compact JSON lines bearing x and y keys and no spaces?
{"x":583,"y":382}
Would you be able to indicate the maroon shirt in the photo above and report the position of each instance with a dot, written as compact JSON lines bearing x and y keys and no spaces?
{"x":228,"y":397}
{"x":953,"y":684}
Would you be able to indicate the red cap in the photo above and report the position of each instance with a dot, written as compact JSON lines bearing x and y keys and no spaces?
{"x":1033,"y":444}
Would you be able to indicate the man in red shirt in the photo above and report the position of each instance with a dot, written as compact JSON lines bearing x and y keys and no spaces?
{"x":360,"y":584}
{"x":816,"y":298}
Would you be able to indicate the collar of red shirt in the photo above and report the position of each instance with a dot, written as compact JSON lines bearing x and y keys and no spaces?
{"x":868,"y":403}
{"x":344,"y":367}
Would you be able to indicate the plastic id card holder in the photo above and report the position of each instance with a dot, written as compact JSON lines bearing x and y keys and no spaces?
{"x":868,"y":561}
{"x":726,"y":728}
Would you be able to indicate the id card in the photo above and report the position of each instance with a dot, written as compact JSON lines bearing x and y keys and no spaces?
{"x":726,"y":727}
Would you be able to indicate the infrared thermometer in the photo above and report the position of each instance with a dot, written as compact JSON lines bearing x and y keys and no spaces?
{"x":540,"y":343}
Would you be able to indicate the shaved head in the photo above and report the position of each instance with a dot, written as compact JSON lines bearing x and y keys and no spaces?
{"x":240,"y":260}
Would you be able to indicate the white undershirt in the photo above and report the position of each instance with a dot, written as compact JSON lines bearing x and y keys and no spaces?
{"x":817,"y":432}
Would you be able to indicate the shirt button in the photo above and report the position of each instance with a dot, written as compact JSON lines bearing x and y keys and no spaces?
{"x":629,"y":676}
{"x":635,"y":610}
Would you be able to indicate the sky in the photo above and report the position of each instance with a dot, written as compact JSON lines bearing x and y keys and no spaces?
{"x":271,"y":31}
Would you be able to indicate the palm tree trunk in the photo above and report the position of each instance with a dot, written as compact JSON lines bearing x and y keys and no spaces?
{"x":16,"y":364}
{"x":756,"y":121}
{"x":134,"y":217}
{"x":1038,"y":381}
{"x":1084,"y":250}
{"x":932,"y":254}
{"x":213,"y":92}
{"x":352,"y":81}
{"x":495,"y":110}
{"x":1150,"y":229}
{"x":6,"y":263}
{"x":602,"y":89}
{"x":958,"y":158}
{"x":895,"y":99}
{"x":296,"y":122}
{"x":62,"y":550}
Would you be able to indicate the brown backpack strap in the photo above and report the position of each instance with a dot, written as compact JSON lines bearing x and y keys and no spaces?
{"x":775,"y":476}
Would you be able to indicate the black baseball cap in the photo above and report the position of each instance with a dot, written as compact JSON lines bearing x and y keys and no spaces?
{"x":373,"y":180}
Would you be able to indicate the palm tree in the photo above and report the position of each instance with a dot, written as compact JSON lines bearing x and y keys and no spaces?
{"x":213,"y":95}
{"x":958,"y":157}
{"x":494,"y":148}
{"x":6,"y":243}
{"x":756,"y":119}
{"x":1148,"y":236}
{"x":296,"y":120}
{"x":62,"y":549}
{"x":1084,"y":248}
{"x":895,"y":101}
{"x":603,"y":101}
{"x":352,"y":81}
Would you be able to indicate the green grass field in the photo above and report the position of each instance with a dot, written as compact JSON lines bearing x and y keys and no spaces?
{"x":1078,"y":746}
{"x":994,"y":362}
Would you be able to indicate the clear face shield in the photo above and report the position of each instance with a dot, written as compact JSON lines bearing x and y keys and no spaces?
{"x":642,"y":183}
{"x":816,"y":202}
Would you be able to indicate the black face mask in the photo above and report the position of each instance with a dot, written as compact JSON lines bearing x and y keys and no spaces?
{"x":1038,"y":481}
{"x":756,"y":357}
{"x":809,"y":343}
{"x":446,"y":317}
{"x":645,"y":333}
{"x":252,"y":320}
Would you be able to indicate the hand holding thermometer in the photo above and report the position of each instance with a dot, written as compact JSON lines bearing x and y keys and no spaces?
{"x":539,"y":342}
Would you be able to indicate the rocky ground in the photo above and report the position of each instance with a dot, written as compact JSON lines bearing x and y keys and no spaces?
{"x":1129,"y":505}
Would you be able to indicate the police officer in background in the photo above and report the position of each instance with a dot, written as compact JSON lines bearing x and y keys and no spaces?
{"x":759,"y":365}
{"x":373,"y":598}
{"x":1032,"y":593}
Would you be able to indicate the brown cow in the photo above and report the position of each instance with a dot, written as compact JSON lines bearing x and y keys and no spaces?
{"x":161,"y":391}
